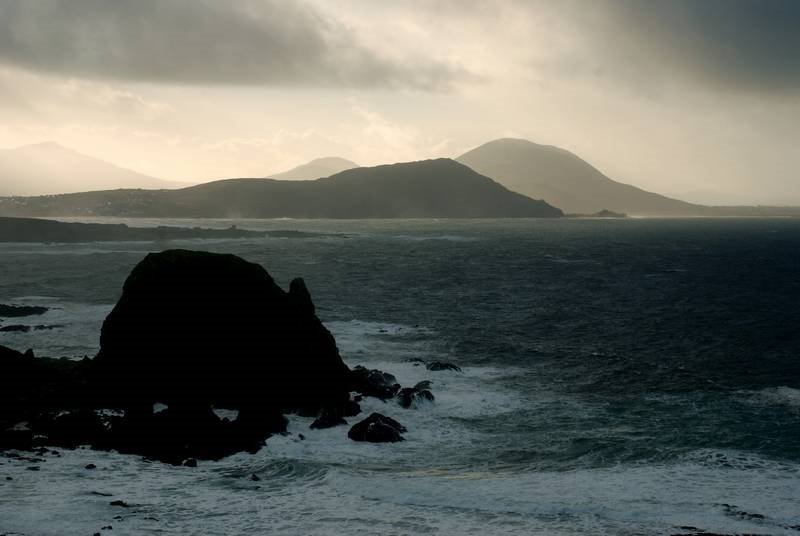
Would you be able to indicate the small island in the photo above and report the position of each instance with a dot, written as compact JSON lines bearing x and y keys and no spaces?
{"x":600,"y":214}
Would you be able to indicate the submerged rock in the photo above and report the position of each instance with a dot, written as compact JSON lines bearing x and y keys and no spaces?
{"x":15,"y":328}
{"x":377,"y":428}
{"x":441,"y":365}
{"x":14,"y":311}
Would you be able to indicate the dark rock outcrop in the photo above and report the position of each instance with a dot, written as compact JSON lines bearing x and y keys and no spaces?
{"x":35,"y":390}
{"x":411,"y":397}
{"x":198,"y":329}
{"x":192,"y":331}
{"x":328,"y":419}
{"x":441,"y":365}
{"x":377,"y":428}
{"x":374,"y":382}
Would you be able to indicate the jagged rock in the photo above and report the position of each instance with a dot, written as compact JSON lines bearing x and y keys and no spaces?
{"x":411,"y":396}
{"x":441,"y":365}
{"x":300,"y":296}
{"x":328,"y":419}
{"x":377,"y":428}
{"x":373,"y":382}
{"x":424,"y":384}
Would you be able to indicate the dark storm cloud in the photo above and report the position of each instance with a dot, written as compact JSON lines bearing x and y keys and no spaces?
{"x":740,"y":44}
{"x":272,"y":42}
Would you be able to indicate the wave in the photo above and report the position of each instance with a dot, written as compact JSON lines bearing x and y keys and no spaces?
{"x":73,"y":328}
{"x":785,"y":396}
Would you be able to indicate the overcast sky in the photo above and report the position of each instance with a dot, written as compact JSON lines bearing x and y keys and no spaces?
{"x":674,"y":96}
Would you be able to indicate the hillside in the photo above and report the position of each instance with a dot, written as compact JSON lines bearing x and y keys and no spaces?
{"x":49,"y":168}
{"x":439,"y":188}
{"x":566,"y":181}
{"x":316,"y":169}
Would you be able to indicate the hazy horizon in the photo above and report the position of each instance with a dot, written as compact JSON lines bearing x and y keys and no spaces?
{"x":682,"y":98}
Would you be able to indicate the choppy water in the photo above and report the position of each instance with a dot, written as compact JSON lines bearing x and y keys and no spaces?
{"x":620,"y":377}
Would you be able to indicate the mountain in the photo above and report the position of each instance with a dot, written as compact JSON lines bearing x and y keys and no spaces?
{"x":566,"y":181}
{"x":317,"y":168}
{"x":440,"y":188}
{"x":50,"y":168}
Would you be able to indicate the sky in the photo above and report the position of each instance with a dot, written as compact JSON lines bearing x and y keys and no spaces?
{"x":697,"y":98}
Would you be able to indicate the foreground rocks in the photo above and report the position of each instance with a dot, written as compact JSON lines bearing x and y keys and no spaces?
{"x":192,"y":330}
{"x":191,"y":333}
{"x":373,"y":382}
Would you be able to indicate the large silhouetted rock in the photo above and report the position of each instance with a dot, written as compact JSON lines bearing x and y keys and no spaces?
{"x":194,"y":329}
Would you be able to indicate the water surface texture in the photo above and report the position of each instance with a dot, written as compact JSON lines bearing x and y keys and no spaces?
{"x":621,"y":377}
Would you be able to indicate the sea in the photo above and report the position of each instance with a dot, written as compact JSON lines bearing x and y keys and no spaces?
{"x":625,"y":377}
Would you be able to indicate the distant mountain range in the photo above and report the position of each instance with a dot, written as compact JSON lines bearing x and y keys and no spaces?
{"x":441,"y":188}
{"x":566,"y":181}
{"x":50,"y":168}
{"x":576,"y":187}
{"x":337,"y":188}
{"x":316,"y":169}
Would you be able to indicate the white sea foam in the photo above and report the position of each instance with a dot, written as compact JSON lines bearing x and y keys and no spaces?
{"x":770,"y":396}
{"x":434,"y":482}
{"x":360,"y":488}
{"x":444,"y":238}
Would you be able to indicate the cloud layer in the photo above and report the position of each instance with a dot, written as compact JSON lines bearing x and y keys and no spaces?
{"x":750,"y":45}
{"x":270,"y":42}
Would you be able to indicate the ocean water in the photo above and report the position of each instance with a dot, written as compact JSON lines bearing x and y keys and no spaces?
{"x":619,"y":377}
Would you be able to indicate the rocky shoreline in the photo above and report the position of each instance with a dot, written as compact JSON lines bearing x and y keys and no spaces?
{"x":173,"y":382}
{"x":38,"y":230}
